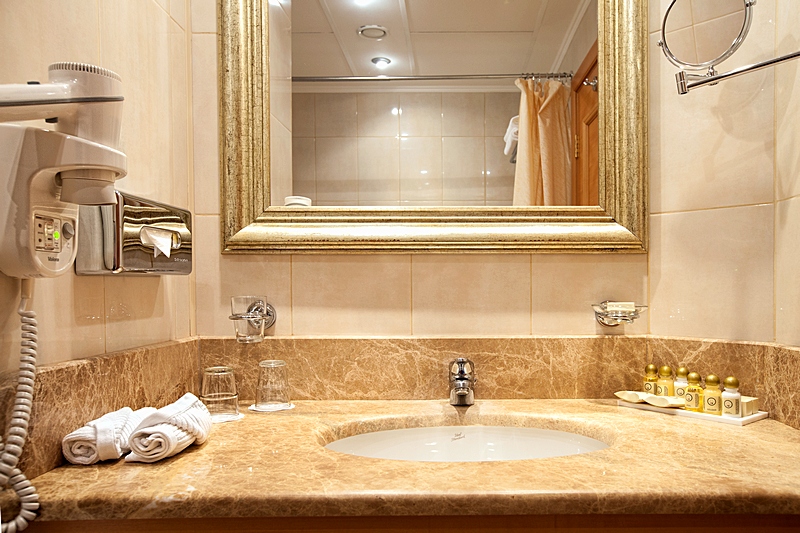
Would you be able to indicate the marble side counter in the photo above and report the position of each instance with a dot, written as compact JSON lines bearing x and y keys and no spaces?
{"x":275,"y":465}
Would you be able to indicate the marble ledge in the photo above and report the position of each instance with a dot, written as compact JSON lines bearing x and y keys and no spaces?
{"x":271,"y":465}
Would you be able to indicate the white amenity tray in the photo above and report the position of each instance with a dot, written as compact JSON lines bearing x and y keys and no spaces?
{"x":700,"y":416}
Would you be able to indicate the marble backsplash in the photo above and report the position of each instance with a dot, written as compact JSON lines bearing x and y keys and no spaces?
{"x":416,"y":368}
{"x":70,"y":394}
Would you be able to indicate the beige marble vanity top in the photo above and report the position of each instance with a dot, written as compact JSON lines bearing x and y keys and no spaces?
{"x":275,"y":465}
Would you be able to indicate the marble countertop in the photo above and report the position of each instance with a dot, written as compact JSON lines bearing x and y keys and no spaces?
{"x":274,"y":464}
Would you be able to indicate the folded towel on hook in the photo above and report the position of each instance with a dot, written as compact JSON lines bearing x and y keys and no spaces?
{"x":512,"y":134}
{"x":104,"y":438}
{"x":170,"y":430}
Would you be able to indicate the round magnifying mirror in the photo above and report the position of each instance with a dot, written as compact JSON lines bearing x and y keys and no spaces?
{"x":700,"y":35}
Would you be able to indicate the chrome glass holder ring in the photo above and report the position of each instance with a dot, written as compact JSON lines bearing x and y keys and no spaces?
{"x":257,"y":312}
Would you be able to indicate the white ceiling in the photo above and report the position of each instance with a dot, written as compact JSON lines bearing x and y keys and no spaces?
{"x":433,"y":37}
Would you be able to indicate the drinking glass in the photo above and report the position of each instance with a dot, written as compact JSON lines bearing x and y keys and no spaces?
{"x":250,"y":315}
{"x":218,"y":393}
{"x":272,"y":392}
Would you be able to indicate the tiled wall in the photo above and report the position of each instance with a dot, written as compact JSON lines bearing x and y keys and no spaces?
{"x":724,"y":209}
{"x":724,"y":212}
{"x":145,"y":42}
{"x":403,"y":149}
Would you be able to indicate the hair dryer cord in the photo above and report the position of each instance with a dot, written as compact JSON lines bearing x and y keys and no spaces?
{"x":11,"y":450}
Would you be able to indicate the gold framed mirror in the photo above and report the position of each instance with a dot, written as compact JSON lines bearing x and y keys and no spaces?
{"x":250,"y":225}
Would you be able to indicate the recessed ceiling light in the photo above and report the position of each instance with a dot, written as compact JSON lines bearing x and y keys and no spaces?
{"x":381,"y":62}
{"x":373,"y":31}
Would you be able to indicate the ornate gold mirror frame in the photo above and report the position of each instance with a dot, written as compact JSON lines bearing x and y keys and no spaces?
{"x":251,"y":225}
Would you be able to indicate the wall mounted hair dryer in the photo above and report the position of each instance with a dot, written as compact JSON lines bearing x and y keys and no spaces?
{"x":44,"y":173}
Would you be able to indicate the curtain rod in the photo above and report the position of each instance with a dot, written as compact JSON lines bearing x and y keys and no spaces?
{"x":534,"y":75}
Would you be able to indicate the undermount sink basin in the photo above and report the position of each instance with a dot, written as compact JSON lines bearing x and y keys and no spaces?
{"x":457,"y":444}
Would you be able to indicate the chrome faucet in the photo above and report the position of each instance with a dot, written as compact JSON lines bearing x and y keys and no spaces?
{"x":462,"y":381}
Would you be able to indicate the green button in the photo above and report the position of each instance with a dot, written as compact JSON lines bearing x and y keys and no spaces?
{"x":56,"y":235}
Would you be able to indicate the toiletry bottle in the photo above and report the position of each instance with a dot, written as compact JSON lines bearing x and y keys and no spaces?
{"x":731,"y":398}
{"x":712,"y":396}
{"x":694,"y":393}
{"x":665,"y":386}
{"x":680,"y":381}
{"x":650,"y":378}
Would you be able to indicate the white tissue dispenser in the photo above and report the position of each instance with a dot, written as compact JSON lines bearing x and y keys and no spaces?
{"x":136,"y":236}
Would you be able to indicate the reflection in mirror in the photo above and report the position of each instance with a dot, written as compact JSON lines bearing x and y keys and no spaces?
{"x":256,"y":145}
{"x":462,"y":127}
{"x":698,"y":35}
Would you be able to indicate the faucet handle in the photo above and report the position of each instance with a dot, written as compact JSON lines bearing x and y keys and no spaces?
{"x":462,"y":368}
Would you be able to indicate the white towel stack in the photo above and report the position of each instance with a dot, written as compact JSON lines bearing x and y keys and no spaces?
{"x":170,"y":430}
{"x":104,"y":438}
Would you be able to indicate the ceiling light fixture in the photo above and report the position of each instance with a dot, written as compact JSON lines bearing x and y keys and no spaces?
{"x":381,"y":62}
{"x":373,"y":31}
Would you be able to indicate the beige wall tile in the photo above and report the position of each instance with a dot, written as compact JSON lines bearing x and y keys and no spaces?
{"x":304,"y":180}
{"x":471,"y":294}
{"x":280,"y":65}
{"x":565,"y":287}
{"x":177,"y":10}
{"x":221,"y":276}
{"x":704,"y":10}
{"x":337,"y":170}
{"x":499,"y":172}
{"x":335,"y":115}
{"x":378,"y":114}
{"x":421,"y":169}
{"x":422,"y":114}
{"x":70,"y":317}
{"x":141,"y":30}
{"x":715,"y":145}
{"x":787,"y":272}
{"x":500,"y":107}
{"x":204,"y":16}
{"x":280,"y":162}
{"x":682,"y":44}
{"x":715,"y":36}
{"x":139,"y":311}
{"x":180,"y":121}
{"x":463,"y":169}
{"x":206,"y":124}
{"x":680,"y":16}
{"x":787,"y":101}
{"x":351,"y":295}
{"x":462,"y":114}
{"x":711,"y":274}
{"x":378,"y":170}
{"x":303,"y":115}
{"x":51,"y":31}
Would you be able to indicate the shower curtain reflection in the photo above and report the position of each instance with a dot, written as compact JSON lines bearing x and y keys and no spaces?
{"x":544,"y":167}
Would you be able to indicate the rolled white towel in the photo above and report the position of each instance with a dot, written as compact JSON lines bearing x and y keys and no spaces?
{"x":104,"y":438}
{"x":170,"y":430}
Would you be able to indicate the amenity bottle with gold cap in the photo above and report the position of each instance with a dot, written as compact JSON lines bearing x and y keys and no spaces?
{"x":680,"y":381}
{"x":712,"y":396}
{"x":650,"y":378}
{"x":731,"y":398}
{"x":694,"y":393}
{"x":665,"y":386}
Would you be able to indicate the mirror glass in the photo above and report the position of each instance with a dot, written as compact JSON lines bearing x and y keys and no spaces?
{"x":443,"y":142}
{"x":705,"y":33}
{"x":253,"y":148}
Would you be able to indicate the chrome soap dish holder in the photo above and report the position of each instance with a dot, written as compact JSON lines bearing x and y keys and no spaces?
{"x":612,"y":314}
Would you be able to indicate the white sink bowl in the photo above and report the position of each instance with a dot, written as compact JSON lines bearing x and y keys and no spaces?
{"x":459,"y":444}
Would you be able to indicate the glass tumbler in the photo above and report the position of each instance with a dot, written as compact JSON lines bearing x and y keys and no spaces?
{"x":218,"y":393}
{"x":272,"y":393}
{"x":249,"y":315}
